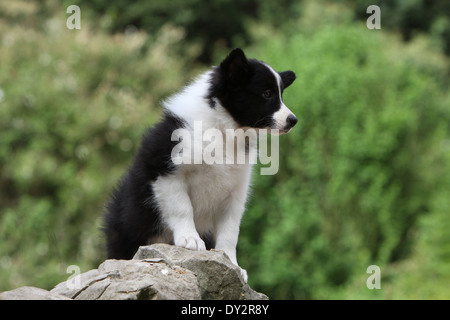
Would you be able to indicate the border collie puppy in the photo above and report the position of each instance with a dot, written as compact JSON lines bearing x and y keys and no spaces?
{"x":197,"y":205}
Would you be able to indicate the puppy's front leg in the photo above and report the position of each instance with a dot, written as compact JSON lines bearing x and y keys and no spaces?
{"x":227,"y":230}
{"x":177,"y":213}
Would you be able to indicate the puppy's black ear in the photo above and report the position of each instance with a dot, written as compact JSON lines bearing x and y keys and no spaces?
{"x":287,"y":77}
{"x":235,"y":67}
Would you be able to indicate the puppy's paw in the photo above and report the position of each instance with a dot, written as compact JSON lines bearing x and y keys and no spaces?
{"x":192,"y":242}
{"x":244,"y":274}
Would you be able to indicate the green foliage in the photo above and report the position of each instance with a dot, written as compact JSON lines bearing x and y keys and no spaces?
{"x":74,"y":105}
{"x":210,"y":24}
{"x":411,"y":17}
{"x":207,"y":23}
{"x":359,"y":170}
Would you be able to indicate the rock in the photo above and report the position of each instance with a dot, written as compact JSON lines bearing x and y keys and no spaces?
{"x":218,"y":277}
{"x":157,"y":272}
{"x":72,"y":288}
{"x":30,"y":293}
{"x":133,"y":280}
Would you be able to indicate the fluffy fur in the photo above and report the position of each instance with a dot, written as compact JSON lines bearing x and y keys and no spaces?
{"x":197,"y":206}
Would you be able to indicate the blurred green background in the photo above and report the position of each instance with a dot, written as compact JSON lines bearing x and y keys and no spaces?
{"x":364,"y":177}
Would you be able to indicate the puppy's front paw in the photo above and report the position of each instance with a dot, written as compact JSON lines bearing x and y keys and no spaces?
{"x":244,"y":274}
{"x":190,"y":242}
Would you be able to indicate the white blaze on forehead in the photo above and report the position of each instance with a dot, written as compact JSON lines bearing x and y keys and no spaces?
{"x":277,"y":77}
{"x":281,"y":115}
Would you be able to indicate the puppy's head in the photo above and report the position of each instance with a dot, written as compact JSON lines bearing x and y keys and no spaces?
{"x":252,"y":92}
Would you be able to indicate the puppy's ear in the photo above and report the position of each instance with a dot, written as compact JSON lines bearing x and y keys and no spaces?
{"x":287,"y":77}
{"x":235,"y":67}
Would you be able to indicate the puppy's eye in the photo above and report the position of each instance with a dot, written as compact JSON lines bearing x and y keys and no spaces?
{"x":267,"y":94}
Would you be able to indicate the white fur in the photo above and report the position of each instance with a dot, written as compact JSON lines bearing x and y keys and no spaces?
{"x":201,"y":198}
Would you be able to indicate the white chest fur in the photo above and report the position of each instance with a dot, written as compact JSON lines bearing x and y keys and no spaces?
{"x":205,"y":191}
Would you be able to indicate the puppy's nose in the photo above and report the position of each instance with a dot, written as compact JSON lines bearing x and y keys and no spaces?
{"x":291,"y":121}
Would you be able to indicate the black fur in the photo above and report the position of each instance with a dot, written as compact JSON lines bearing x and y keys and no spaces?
{"x":239,"y":84}
{"x":132,"y":217}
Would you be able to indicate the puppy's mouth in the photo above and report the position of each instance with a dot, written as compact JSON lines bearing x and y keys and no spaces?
{"x":285,"y":131}
{"x":278,"y":132}
{"x":286,"y":128}
{"x":275,"y":130}
{"x":285,"y":124}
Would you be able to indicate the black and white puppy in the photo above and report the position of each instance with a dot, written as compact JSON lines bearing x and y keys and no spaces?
{"x":197,"y":205}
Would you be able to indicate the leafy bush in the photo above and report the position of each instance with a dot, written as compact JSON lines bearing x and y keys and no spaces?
{"x":412,"y":17}
{"x":73,"y":107}
{"x":358,"y":171}
{"x":210,"y":24}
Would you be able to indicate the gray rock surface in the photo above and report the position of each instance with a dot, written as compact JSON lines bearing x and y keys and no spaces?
{"x":157,"y":272}
{"x":132,"y":280}
{"x":218,"y":277}
{"x":30,"y":293}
